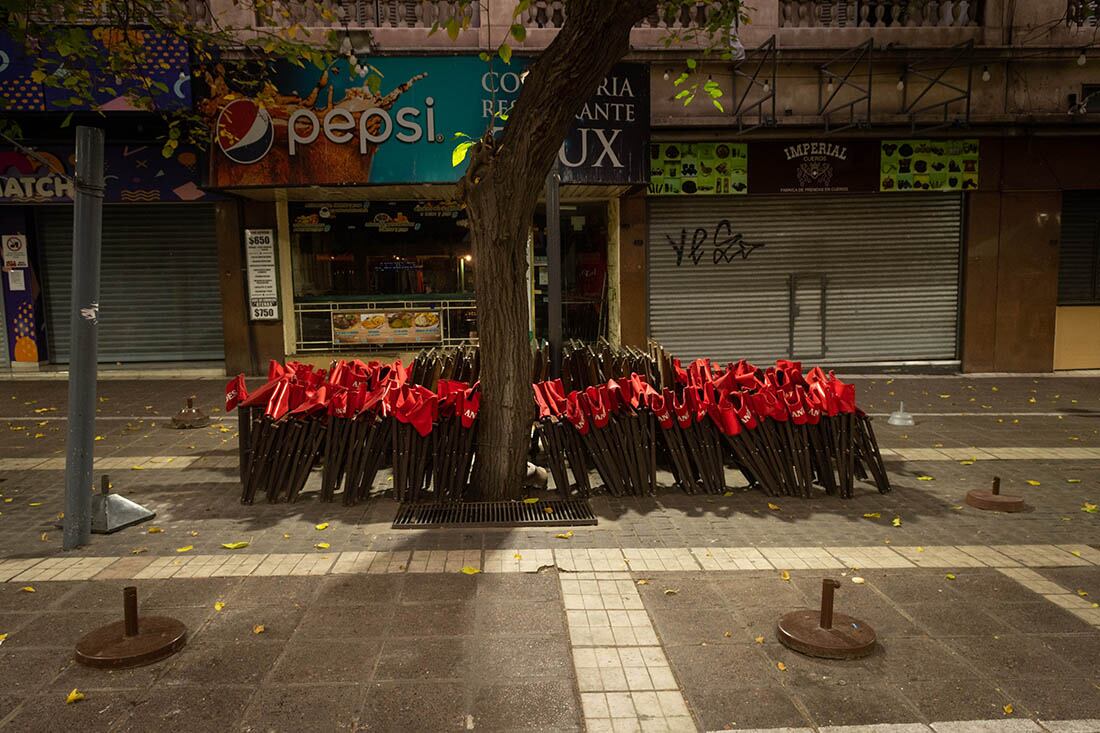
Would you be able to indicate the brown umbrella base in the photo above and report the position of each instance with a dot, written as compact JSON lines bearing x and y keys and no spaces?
{"x":108,"y":647}
{"x":848,"y":638}
{"x":991,"y":502}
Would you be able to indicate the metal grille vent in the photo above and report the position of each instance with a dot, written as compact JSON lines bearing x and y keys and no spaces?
{"x":567,"y":513}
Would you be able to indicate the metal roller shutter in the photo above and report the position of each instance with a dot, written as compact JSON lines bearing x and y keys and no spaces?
{"x":1079,"y":251}
{"x":159,"y":295}
{"x":844,"y":279}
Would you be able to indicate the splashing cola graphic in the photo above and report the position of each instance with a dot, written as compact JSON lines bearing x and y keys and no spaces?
{"x":329,"y":136}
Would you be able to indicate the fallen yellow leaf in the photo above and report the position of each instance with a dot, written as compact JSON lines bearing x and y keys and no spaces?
{"x":3,"y":638}
{"x":925,"y":478}
{"x":74,"y":696}
{"x":759,"y":640}
{"x":671,"y":591}
{"x":896,"y":521}
{"x":944,"y":396}
{"x":548,"y":509}
{"x":235,"y":545}
{"x":920,"y":549}
{"x":1008,"y":708}
{"x":858,"y":580}
{"x":154,"y":530}
{"x":39,"y":435}
{"x":727,"y":634}
{"x":1032,"y":482}
{"x":470,"y":570}
{"x":45,"y":537}
{"x":773,"y":507}
{"x":872,"y":515}
{"x":784,"y":575}
{"x":517,"y":556}
{"x":137,"y":468}
{"x":219,"y":605}
{"x":286,"y":536}
{"x":531,"y":500}
{"x":99,"y":437}
{"x":1075,"y":553}
{"x":643,"y":581}
{"x":185,"y":548}
{"x":259,"y":629}
{"x":727,"y":493}
{"x":35,"y":503}
{"x":1089,"y":508}
{"x":27,"y":589}
{"x":139,"y":550}
{"x":322,"y":545}
{"x":320,"y":527}
{"x":950,"y":576}
{"x":1082,"y":593}
{"x":564,"y":535}
{"x":781,"y":667}
{"x":193,"y":533}
{"x":968,"y":462}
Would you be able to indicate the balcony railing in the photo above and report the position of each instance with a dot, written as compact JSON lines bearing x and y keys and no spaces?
{"x":879,"y":13}
{"x":1083,"y":13}
{"x":368,"y":13}
{"x":551,"y":14}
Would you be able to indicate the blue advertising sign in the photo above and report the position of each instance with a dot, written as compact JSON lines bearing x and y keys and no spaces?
{"x":164,"y":64}
{"x":396,"y":120}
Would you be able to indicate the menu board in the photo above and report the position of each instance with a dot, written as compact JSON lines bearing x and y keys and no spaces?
{"x":393,"y":327}
{"x":928,"y":165}
{"x":698,"y":169}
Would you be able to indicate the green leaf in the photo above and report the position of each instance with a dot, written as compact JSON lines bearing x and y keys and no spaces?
{"x":691,"y":64}
{"x":484,"y":56}
{"x":38,"y":76}
{"x":681,"y":79}
{"x":518,"y":32}
{"x":683,"y":93}
{"x":521,"y":6}
{"x":459,"y":153}
{"x":505,"y":53}
{"x":68,"y":119}
{"x":452,"y":29}
{"x":718,"y":104}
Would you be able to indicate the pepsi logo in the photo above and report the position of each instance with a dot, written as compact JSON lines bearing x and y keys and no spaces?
{"x":244,"y":131}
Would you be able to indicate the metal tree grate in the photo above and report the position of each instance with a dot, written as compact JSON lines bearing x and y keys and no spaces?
{"x":567,"y":513}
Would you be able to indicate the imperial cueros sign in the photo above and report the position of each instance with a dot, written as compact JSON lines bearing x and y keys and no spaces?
{"x":397,"y":123}
{"x":813,"y":166}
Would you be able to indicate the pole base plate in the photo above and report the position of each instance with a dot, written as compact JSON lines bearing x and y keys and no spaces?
{"x":990,"y":502}
{"x":108,"y":647}
{"x":849,"y":638}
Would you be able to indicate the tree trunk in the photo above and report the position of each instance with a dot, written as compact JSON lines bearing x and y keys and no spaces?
{"x":501,"y":190}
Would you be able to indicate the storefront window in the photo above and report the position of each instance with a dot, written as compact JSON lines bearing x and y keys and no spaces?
{"x":584,"y":241}
{"x":378,"y":274}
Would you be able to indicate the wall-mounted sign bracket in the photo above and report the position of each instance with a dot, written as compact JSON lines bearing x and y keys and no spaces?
{"x":933,"y":70}
{"x":760,"y":112}
{"x":839,"y":74}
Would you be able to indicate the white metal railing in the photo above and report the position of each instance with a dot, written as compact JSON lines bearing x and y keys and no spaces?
{"x":675,"y":14}
{"x":879,"y":13}
{"x":312,"y":322}
{"x":368,"y":13}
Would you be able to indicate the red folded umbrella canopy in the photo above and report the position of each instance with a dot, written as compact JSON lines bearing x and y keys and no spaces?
{"x":416,"y":406}
{"x":469,"y":403}
{"x":315,"y":401}
{"x":723,"y":415}
{"x":795,"y":405}
{"x":845,"y":394}
{"x":278,"y":401}
{"x":660,"y":404}
{"x":682,"y":410}
{"x":575,"y":413}
{"x":236,"y":391}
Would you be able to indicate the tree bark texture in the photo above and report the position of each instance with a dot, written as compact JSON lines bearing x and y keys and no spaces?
{"x":501,"y":190}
